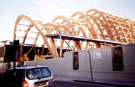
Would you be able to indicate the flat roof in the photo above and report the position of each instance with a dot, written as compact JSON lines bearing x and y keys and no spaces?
{"x":81,"y":38}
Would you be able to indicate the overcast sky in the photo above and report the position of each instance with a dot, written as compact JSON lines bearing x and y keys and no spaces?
{"x":46,"y":10}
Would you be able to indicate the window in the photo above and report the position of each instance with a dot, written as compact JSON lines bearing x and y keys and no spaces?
{"x":117,"y":59}
{"x":75,"y":61}
{"x":38,"y":73}
{"x":45,"y":72}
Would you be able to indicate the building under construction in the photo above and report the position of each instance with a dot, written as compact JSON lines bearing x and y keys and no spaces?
{"x":92,"y":29}
{"x":84,"y":45}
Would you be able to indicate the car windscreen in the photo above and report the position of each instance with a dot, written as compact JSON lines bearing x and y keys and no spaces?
{"x":37,"y":73}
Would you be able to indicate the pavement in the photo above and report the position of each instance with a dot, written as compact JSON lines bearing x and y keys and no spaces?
{"x":120,"y":83}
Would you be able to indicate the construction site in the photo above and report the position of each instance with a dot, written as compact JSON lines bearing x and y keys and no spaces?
{"x":94,"y":44}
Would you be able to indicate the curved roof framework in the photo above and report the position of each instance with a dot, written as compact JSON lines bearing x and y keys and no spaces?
{"x":92,"y":24}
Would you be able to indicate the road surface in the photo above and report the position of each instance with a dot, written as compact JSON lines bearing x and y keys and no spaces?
{"x":77,"y":84}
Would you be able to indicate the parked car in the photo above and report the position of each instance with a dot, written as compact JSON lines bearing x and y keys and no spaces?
{"x":28,"y":76}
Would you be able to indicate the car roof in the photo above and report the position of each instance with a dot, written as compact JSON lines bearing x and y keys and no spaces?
{"x":29,"y":67}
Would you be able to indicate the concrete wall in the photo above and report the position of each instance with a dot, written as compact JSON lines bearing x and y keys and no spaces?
{"x":103,"y":68}
{"x":55,"y":65}
{"x":129,"y":58}
{"x":84,"y":64}
{"x":64,"y":66}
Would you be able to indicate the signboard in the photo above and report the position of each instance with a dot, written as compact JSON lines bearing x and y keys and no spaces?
{"x":97,"y":56}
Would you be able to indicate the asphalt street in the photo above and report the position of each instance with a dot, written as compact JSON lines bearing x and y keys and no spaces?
{"x":77,"y":84}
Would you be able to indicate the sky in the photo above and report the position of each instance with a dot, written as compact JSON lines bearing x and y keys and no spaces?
{"x":46,"y":10}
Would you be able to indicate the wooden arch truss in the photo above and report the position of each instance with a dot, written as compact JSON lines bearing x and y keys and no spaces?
{"x":93,"y":24}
